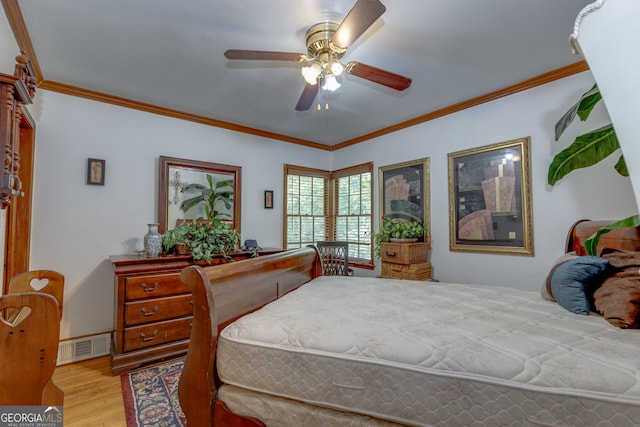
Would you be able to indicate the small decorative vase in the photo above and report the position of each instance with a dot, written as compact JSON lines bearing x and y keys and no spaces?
{"x":153,"y":241}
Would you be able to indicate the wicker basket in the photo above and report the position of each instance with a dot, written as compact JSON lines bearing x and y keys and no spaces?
{"x":404,"y":253}
{"x":420,"y":271}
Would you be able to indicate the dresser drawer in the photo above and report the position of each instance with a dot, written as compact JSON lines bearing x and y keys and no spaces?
{"x":152,"y":286}
{"x":157,"y":309}
{"x":157,"y":333}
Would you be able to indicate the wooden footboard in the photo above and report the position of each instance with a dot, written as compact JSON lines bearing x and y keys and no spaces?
{"x":221,"y":294}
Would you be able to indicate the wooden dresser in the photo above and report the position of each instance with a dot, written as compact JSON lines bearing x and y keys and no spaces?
{"x":153,"y":308}
{"x":405,"y":261}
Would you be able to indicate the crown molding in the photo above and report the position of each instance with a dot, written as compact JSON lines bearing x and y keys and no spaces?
{"x":19,"y":28}
{"x":150,"y":108}
{"x":539,"y":80}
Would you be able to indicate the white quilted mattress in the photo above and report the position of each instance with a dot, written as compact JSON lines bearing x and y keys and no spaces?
{"x":427,"y":354}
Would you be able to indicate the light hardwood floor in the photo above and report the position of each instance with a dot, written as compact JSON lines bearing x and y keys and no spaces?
{"x":92,"y":397}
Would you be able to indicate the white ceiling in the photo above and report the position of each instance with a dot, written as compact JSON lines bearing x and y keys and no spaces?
{"x":169,"y":53}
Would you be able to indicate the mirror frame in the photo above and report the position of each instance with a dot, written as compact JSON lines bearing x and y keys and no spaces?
{"x":168,"y":163}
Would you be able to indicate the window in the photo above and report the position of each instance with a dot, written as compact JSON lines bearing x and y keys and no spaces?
{"x":352,"y":212}
{"x":306,"y":213}
{"x":324,"y":205}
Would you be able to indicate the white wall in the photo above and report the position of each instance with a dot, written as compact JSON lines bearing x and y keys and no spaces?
{"x":594,"y":193}
{"x":76,"y":227}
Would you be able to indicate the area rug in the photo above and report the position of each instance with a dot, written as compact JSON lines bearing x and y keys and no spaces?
{"x":151,"y":395}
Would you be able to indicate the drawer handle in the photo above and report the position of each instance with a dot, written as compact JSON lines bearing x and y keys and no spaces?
{"x":146,"y":338}
{"x":143,"y":310}
{"x":148,"y":288}
{"x":393,"y":253}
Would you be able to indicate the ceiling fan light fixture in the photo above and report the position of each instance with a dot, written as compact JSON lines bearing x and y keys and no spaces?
{"x":311,"y":73}
{"x":330,"y":83}
{"x":336,"y":67}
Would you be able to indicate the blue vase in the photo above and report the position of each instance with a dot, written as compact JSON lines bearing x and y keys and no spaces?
{"x":153,"y":241}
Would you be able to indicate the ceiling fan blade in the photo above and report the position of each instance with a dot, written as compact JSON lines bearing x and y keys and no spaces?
{"x":378,"y":75}
{"x":308,"y":95}
{"x":264,"y":55}
{"x":363,"y":14}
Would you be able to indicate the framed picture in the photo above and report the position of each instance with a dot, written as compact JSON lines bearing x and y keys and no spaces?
{"x":193,"y":189}
{"x":268,"y":199}
{"x":405,"y":192}
{"x":95,"y":171}
{"x":490,"y":199}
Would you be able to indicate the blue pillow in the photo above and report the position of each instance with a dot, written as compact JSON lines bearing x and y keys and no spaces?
{"x":574,"y":282}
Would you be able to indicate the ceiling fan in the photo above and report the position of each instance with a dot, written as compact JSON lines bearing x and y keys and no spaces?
{"x":327,"y":43}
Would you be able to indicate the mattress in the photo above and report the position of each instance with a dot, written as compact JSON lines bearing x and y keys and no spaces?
{"x":436,"y":354}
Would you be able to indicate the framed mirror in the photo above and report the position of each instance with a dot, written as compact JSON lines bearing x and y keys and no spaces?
{"x":193,"y":189}
{"x":490,"y":199}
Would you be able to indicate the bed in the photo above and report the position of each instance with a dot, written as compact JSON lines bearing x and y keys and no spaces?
{"x":275,"y":343}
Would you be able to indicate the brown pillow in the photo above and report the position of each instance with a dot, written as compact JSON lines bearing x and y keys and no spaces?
{"x":618,"y":298}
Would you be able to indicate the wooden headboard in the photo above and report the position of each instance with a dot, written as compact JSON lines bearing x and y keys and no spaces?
{"x":626,"y":239}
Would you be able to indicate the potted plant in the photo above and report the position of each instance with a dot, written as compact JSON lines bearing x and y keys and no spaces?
{"x":177,"y":239}
{"x":587,"y":150}
{"x":202,"y":239}
{"x":398,"y":230}
{"x":211,"y":195}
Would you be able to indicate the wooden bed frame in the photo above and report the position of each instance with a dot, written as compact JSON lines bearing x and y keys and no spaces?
{"x":240,"y":288}
{"x":243,"y":287}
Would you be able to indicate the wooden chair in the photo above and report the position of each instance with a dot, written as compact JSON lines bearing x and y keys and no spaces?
{"x":28,"y":347}
{"x":334,"y":257}
{"x":47,"y":282}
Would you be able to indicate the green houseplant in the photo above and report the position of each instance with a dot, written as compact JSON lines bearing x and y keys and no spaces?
{"x":211,"y":196}
{"x":203,"y":239}
{"x":587,"y":150}
{"x":396,"y":229}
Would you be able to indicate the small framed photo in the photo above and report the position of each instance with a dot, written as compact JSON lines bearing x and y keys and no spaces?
{"x":95,"y":171}
{"x":268,"y":199}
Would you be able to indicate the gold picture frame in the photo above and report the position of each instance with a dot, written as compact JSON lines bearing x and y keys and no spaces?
{"x":404,"y":190}
{"x":490,"y":199}
{"x":175,"y":174}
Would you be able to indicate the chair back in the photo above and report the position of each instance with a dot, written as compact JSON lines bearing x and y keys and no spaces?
{"x":45,"y":281}
{"x":51,"y":283}
{"x":334,"y":257}
{"x":28,"y":347}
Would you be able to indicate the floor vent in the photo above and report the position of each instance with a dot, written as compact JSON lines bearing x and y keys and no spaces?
{"x":83,"y":348}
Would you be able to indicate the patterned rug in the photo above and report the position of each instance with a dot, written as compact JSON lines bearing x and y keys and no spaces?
{"x":151,"y":395}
